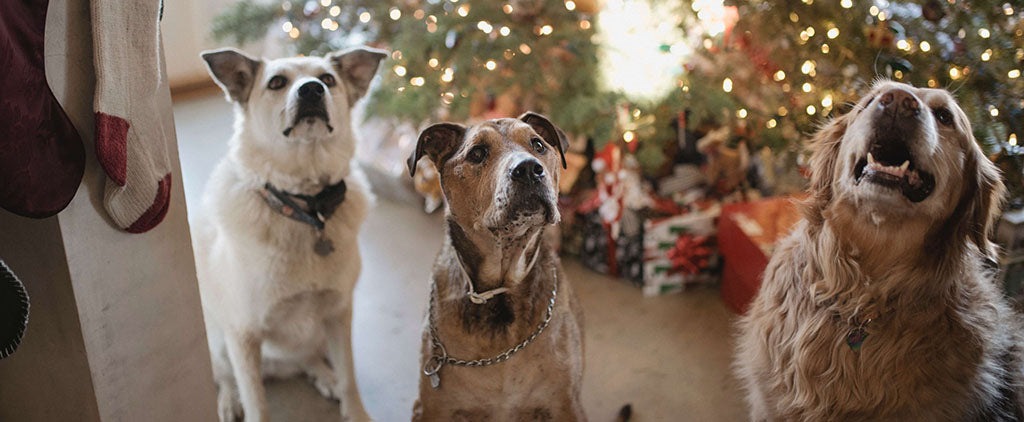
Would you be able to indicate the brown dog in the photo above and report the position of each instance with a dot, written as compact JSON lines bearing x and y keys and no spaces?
{"x":498,"y":294}
{"x":879,"y":306}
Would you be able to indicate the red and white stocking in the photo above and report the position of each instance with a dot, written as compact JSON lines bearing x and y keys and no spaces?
{"x":130,"y":138}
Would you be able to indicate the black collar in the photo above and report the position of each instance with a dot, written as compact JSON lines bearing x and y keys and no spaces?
{"x":318,"y":207}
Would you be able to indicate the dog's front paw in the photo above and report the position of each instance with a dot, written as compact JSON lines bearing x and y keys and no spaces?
{"x":229,"y":409}
{"x":326,"y":386}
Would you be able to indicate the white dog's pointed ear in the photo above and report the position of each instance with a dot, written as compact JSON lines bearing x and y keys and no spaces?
{"x":547,"y":130}
{"x":357,"y":66}
{"x":233,"y":70}
{"x":438,"y":142}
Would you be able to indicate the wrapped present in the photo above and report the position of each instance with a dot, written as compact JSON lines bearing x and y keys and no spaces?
{"x":680,"y":251}
{"x":747,"y":233}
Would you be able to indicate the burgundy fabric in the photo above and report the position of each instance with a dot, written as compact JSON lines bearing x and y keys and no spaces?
{"x":155,"y":214}
{"x":41,"y":155}
{"x":112,"y":146}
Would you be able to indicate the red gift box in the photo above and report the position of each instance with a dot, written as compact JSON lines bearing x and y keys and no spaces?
{"x":747,"y":233}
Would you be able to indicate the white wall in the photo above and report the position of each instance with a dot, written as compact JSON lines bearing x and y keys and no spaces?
{"x":186,"y":32}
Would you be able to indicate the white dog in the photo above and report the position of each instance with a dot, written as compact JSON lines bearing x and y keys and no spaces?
{"x":275,"y":242}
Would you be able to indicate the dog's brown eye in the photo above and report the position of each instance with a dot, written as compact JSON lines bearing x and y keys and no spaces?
{"x":478,"y":154}
{"x":538,"y":145}
{"x":328,"y":79}
{"x":943,"y":115}
{"x":277,"y":82}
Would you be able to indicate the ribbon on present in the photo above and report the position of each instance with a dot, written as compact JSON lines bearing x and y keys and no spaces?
{"x":690,"y":254}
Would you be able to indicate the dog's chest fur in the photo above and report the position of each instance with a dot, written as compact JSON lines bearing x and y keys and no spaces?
{"x":935,"y":362}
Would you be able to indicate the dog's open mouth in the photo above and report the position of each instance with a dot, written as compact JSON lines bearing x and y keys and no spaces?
{"x":310,"y":115}
{"x":889,"y":163}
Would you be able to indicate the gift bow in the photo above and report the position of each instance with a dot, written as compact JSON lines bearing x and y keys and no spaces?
{"x":689,"y":255}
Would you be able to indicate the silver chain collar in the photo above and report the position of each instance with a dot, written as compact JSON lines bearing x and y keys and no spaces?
{"x":439,"y":355}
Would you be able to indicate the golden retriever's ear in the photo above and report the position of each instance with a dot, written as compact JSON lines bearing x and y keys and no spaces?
{"x":438,"y":142}
{"x":985,"y":200}
{"x":824,"y":147}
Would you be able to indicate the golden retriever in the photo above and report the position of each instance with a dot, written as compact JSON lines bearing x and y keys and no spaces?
{"x":881,"y":305}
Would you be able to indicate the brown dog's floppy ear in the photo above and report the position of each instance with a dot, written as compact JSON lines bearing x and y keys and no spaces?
{"x":980,"y":201}
{"x":357,"y":66}
{"x":551,"y":134}
{"x":233,"y":70}
{"x":824,"y":147}
{"x":438,"y":142}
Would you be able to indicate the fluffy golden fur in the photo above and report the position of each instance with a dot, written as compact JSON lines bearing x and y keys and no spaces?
{"x":942,"y":342}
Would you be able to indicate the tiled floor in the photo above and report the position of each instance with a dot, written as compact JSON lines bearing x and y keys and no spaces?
{"x":668,"y":356}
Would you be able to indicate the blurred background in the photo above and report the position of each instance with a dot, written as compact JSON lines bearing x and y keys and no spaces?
{"x":688,"y":123}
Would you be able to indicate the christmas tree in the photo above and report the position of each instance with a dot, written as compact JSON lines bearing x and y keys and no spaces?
{"x":623,"y":70}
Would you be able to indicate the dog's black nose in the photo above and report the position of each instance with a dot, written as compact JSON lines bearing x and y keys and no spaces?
{"x":899,"y":102}
{"x":311,"y":91}
{"x":528,"y":172}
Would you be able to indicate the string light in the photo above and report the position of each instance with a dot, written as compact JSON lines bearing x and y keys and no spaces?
{"x":806,"y":87}
{"x":782,"y":111}
{"x":807,"y":67}
{"x":771,"y":123}
{"x":447,"y":97}
{"x":846,"y":4}
{"x":727,"y":85}
{"x":286,"y":6}
{"x":983,"y":33}
{"x":873,"y":10}
{"x":954,"y":73}
{"x":986,"y":55}
{"x":525,"y":49}
{"x":364,"y":17}
{"x":417,"y":81}
{"x":506,"y":8}
{"x":397,"y":54}
{"x":811,"y":110}
{"x":395,"y":14}
{"x":491,"y":65}
{"x":1013,"y":74}
{"x":824,"y":49}
{"x":993,"y":111}
{"x":546,"y":30}
{"x":882,"y":16}
{"x":464,"y":10}
{"x":570,"y":5}
{"x":448,"y":75}
{"x":628,"y":136}
{"x":432,"y":62}
{"x":903,"y":45}
{"x":286,"y":27}
{"x":293,"y":33}
{"x":325,"y":3}
{"x":810,"y":31}
{"x":832,"y":33}
{"x":793,"y":17}
{"x":1012,"y":140}
{"x":741,"y":113}
{"x":779,"y":76}
{"x":484,"y":26}
{"x":504,"y":31}
{"x":827,"y":101}
{"x":898,"y":74}
{"x":584,"y":24}
{"x":925,"y":46}
{"x":1007,"y":10}
{"x":335,"y":11}
{"x":399,"y":70}
{"x":325,"y":24}
{"x":932,"y":83}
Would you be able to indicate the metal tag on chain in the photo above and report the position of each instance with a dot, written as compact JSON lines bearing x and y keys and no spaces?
{"x":435,"y":381}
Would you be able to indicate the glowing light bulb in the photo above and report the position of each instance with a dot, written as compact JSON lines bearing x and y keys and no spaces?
{"x":464,"y":10}
{"x":570,"y":5}
{"x":525,"y":49}
{"x":584,"y":24}
{"x":417,"y":81}
{"x":925,"y":46}
{"x":506,"y":8}
{"x":993,"y":111}
{"x":846,"y":4}
{"x":364,"y":17}
{"x":873,"y":10}
{"x":504,"y":31}
{"x":986,"y":55}
{"x":780,"y":75}
{"x":811,"y":110}
{"x":1013,"y":74}
{"x":832,"y":33}
{"x":484,"y":26}
{"x":898,"y":74}
{"x":741,"y":113}
{"x":771,"y":124}
{"x":287,"y":27}
{"x":400,"y":70}
{"x":294,"y":33}
{"x":984,"y":33}
{"x":546,"y":30}
{"x":954,"y":73}
{"x":448,"y":75}
{"x":727,"y":85}
{"x":325,"y":3}
{"x":491,"y":65}
{"x":782,"y":111}
{"x":827,"y":101}
{"x":335,"y":11}
{"x":1012,"y":140}
{"x":395,"y":14}
{"x":806,"y":87}
{"x":628,"y":136}
{"x":902,"y":45}
{"x":932,"y":83}
{"x":807,"y":67}
{"x":432,"y":62}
